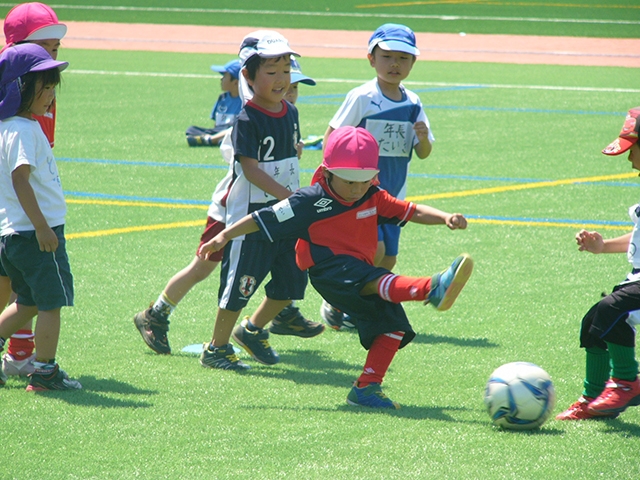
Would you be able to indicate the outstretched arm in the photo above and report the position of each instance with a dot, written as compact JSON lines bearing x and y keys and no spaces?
{"x":243,"y":227}
{"x":594,"y":243}
{"x":427,"y":215}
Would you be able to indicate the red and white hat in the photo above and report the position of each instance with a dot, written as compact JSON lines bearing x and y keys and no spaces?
{"x":351,"y":153}
{"x":32,"y":21}
{"x":628,"y":136}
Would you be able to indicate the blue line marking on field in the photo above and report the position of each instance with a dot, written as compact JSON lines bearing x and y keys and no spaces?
{"x":134,"y":198}
{"x":550,"y":220}
{"x":140,"y":163}
{"x":175,"y":201}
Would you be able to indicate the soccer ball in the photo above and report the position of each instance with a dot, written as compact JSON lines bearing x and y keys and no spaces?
{"x":519,"y":396}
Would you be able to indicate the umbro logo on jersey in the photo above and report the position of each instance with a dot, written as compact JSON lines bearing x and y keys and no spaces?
{"x":324,"y":205}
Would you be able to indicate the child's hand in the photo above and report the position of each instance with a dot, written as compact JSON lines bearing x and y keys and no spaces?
{"x":47,"y":240}
{"x":216,"y":244}
{"x":421,"y":130}
{"x":299,"y":147}
{"x":456,"y":221}
{"x":589,"y":241}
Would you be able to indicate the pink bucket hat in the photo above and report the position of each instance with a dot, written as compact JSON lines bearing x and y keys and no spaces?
{"x":32,"y":21}
{"x":628,"y":136}
{"x":352,"y":154}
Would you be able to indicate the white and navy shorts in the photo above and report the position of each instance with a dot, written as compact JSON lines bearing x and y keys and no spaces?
{"x":246,"y":263}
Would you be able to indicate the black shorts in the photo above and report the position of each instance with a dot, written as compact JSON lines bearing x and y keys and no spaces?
{"x":340,"y":279}
{"x":606,"y":321}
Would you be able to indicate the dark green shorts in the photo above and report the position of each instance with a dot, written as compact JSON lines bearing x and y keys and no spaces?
{"x":41,"y":279}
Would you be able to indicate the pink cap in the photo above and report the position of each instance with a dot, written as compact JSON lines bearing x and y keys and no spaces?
{"x":351,"y":153}
{"x":628,"y":136}
{"x":32,"y":21}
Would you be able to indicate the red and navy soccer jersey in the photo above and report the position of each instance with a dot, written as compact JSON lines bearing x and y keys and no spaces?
{"x":327,"y":226}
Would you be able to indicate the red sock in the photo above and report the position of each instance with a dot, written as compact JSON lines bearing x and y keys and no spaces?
{"x":396,"y":288}
{"x":21,"y":344}
{"x":379,"y":358}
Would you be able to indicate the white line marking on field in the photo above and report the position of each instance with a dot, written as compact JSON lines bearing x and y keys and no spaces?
{"x":337,"y":14}
{"x":358,"y":81}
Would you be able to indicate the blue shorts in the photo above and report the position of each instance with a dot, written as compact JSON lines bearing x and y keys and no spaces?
{"x":390,"y":235}
{"x":340,"y":279}
{"x":41,"y":279}
{"x":246,"y":263}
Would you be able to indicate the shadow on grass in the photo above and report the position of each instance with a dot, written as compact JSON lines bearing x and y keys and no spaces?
{"x":430,"y":339}
{"x":308,"y":367}
{"x":621,"y":428}
{"x":95,"y":393}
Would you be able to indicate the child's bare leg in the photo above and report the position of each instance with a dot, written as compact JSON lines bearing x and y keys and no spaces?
{"x":14,"y":317}
{"x":5,"y":291}
{"x":187,"y":278}
{"x":267,"y":310}
{"x":225,"y":321}
{"x":47,"y":334}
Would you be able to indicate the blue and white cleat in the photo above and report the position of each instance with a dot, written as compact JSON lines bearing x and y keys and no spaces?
{"x":447,"y":285}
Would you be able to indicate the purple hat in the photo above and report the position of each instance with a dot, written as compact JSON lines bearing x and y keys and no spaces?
{"x":232,"y":67}
{"x":16,"y":62}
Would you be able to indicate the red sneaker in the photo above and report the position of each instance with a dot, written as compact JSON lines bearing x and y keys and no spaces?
{"x":616,"y":397}
{"x":579,"y":411}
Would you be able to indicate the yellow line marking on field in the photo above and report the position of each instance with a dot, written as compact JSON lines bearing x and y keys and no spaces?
{"x":485,"y":2}
{"x":520,"y":186}
{"x":530,"y":223}
{"x":462,"y":193}
{"x":141,"y":228}
{"x":121,"y":203}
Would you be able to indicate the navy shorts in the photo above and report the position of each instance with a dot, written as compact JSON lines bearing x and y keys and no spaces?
{"x":340,"y":279}
{"x":41,"y":279}
{"x":606,"y":321}
{"x":246,"y":263}
{"x":390,"y":235}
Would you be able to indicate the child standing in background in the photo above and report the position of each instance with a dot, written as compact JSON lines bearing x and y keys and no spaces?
{"x":32,"y":212}
{"x":33,"y":23}
{"x":395,"y":117}
{"x":611,"y":382}
{"x":225,"y":110}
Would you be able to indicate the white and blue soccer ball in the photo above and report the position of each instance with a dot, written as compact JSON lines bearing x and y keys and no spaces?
{"x":519,"y":396}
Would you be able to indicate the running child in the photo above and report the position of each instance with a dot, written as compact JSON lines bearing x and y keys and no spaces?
{"x":265,"y":139}
{"x":153,"y":323}
{"x":33,"y":23}
{"x":395,"y":117}
{"x":611,"y":383}
{"x":224,"y":112}
{"x":32,"y":216}
{"x":342,"y":198}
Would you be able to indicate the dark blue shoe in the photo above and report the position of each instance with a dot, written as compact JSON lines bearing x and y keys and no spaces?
{"x":255,"y":343}
{"x":370,"y":396}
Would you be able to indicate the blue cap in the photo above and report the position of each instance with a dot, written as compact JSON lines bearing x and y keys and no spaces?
{"x":297,"y":75}
{"x":394,"y":37}
{"x":232,"y":67}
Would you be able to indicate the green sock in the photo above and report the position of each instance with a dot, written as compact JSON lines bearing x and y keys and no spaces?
{"x":623,"y":362}
{"x":597,"y":371}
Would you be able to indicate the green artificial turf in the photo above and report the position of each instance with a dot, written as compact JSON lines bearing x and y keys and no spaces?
{"x":511,"y":140}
